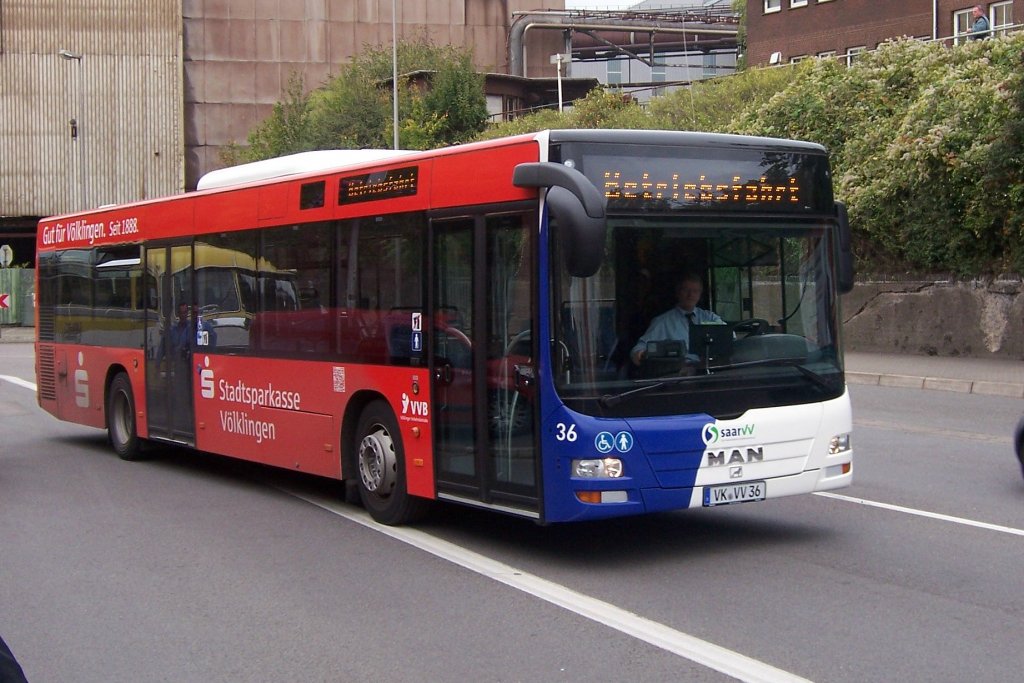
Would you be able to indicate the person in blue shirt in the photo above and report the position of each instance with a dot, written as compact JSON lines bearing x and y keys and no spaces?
{"x":980,"y":28}
{"x":674,"y":324}
{"x":184,"y":337}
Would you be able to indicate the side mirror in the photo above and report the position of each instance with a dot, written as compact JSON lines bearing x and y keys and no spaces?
{"x":845,"y":264}
{"x":577,"y":206}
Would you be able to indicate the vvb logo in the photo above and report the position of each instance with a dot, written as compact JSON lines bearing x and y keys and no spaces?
{"x":410,"y":407}
{"x":206,"y":379}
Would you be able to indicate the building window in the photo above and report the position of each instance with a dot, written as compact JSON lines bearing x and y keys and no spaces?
{"x":962,"y":21}
{"x":853,"y":52}
{"x":821,"y":1}
{"x":1001,"y":17}
{"x":614,"y":71}
{"x":512,"y":107}
{"x":772,"y":6}
{"x":797,"y":59}
{"x":797,"y":3}
{"x":827,"y":54}
{"x":710,"y":65}
{"x":658,"y":76}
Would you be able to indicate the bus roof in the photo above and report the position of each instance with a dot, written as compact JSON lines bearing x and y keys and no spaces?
{"x":684,"y":138}
{"x":293,"y":164}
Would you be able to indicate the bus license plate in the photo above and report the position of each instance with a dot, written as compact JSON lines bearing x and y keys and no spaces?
{"x":733,"y":493}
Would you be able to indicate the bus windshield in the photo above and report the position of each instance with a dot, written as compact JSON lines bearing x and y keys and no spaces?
{"x":764,"y":332}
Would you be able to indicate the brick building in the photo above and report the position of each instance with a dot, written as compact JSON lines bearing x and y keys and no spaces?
{"x":782,"y":31}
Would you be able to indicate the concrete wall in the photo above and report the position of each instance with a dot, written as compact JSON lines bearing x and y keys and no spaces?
{"x":983,"y":319}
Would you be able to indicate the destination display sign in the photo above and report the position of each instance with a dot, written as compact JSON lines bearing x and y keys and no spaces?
{"x":727,"y":180}
{"x":368,"y":187}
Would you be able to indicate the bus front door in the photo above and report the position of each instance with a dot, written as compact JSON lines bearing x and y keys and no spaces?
{"x":481,"y":360}
{"x":170,"y":340}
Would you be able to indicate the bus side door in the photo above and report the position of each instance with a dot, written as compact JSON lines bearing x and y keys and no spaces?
{"x":482,"y":314}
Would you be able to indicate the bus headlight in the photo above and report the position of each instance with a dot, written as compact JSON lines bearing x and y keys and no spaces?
{"x":605,"y":468}
{"x":840,"y":443}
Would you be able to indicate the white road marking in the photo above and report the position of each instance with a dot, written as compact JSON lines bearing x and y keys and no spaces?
{"x":923,"y":513}
{"x":689,"y":647}
{"x":19,"y":381}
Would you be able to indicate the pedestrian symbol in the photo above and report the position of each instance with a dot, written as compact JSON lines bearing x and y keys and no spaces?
{"x":623,"y":442}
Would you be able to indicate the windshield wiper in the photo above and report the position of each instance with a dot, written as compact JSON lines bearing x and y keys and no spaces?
{"x":610,"y":400}
{"x":815,"y":377}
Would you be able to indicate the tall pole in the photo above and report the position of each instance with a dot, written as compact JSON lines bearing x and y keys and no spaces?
{"x":76,"y":125}
{"x":557,"y":61}
{"x":394,"y":67}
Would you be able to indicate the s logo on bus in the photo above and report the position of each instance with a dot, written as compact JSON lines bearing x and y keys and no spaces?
{"x":81,"y":383}
{"x":709,"y":433}
{"x":206,"y":379}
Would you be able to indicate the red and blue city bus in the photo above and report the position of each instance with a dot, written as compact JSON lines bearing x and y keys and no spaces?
{"x":457,"y":324}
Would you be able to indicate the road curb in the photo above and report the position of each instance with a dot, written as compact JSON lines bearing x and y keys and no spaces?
{"x":963,"y":386}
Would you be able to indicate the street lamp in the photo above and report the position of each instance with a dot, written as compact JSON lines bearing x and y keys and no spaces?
{"x":394,"y":69}
{"x":558,"y":60}
{"x":76,"y":122}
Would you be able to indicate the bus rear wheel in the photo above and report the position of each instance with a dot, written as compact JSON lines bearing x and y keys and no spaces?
{"x":380,"y":461}
{"x":121,"y":419}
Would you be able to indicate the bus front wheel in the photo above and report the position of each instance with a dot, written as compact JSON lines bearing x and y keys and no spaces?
{"x":380,"y":461}
{"x":121,"y":419}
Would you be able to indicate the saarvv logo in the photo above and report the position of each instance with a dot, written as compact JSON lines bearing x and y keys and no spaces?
{"x":713,"y":433}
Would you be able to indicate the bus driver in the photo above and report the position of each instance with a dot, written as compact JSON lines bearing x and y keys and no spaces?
{"x":674,"y":324}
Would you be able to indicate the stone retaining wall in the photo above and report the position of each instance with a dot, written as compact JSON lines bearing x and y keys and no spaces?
{"x":982,"y":319}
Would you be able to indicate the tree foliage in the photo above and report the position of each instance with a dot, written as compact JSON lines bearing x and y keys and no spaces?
{"x":914,"y":130}
{"x":354,"y":108}
{"x":599,"y":109}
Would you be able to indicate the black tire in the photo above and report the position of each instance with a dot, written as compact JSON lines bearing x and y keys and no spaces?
{"x":1018,"y":443}
{"x":121,"y":419}
{"x":380,"y":468}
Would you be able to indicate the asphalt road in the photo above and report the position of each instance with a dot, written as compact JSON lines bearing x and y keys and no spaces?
{"x":189,"y":567}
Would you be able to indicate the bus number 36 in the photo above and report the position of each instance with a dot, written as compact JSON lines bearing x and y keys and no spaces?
{"x":565,"y":432}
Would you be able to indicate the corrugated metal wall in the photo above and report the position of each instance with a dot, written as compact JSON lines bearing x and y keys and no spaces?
{"x":122,"y":86}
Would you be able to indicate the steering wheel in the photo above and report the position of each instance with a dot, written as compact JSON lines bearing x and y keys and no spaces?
{"x":751,"y":327}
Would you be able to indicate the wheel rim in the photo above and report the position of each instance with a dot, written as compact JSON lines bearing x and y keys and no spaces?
{"x":377,"y":462}
{"x":505,"y":418}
